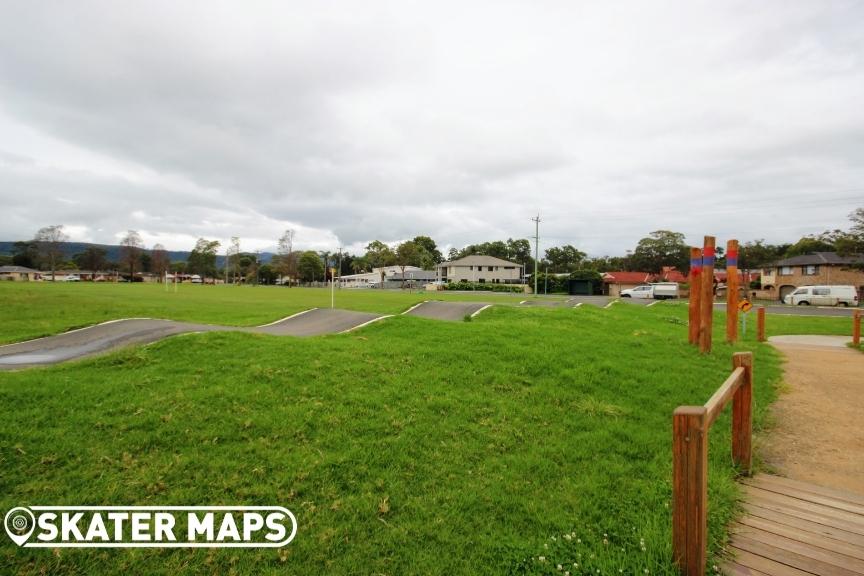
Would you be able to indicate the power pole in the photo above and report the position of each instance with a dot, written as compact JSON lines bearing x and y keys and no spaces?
{"x":536,"y":220}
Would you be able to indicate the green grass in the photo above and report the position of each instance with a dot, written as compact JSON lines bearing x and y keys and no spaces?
{"x":485,"y":439}
{"x":31,"y":310}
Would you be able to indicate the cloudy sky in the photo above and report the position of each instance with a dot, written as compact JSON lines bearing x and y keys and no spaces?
{"x":460,"y":120}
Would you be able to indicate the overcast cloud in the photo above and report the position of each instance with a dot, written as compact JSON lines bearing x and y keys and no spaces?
{"x":459,"y":120}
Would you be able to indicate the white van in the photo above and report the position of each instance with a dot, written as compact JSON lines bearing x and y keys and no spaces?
{"x":823,"y":296}
{"x":657,"y":291}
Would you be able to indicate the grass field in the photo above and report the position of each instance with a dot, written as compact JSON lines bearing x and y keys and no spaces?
{"x":410,"y":447}
{"x":31,"y":310}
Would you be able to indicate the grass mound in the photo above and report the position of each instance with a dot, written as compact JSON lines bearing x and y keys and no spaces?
{"x":410,"y":447}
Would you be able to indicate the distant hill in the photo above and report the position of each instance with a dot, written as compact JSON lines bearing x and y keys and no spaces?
{"x":113,"y":252}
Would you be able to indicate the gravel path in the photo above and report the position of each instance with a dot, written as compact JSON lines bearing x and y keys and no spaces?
{"x":819,"y":432}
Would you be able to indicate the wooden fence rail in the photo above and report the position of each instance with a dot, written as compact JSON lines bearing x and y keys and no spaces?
{"x":690,"y":426}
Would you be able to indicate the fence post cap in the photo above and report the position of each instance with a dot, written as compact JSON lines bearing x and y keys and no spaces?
{"x":690,"y":411}
{"x":742,"y":358}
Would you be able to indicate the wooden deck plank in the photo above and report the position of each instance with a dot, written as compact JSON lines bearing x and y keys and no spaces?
{"x":805,"y":495}
{"x":836,"y":493}
{"x":791,"y":528}
{"x":755,"y":511}
{"x":790,"y":558}
{"x":762,"y":564}
{"x":741,"y":570}
{"x":813,"y":512}
{"x":762,"y":494}
{"x":824,"y":542}
{"x":805,"y":549}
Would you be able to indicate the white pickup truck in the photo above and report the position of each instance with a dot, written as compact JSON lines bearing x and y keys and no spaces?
{"x":658,"y":291}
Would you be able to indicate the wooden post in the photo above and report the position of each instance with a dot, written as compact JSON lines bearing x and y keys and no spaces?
{"x":706,"y":306}
{"x":694,"y":278}
{"x":742,"y":413}
{"x":690,"y":489}
{"x":856,"y":328}
{"x":731,"y":291}
{"x":760,"y":322}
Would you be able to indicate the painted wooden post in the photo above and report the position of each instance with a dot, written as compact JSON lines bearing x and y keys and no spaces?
{"x":742,"y":413}
{"x":760,"y":321}
{"x":856,"y":328}
{"x":694,"y":278}
{"x":731,"y":291}
{"x":706,"y":306}
{"x":690,"y":489}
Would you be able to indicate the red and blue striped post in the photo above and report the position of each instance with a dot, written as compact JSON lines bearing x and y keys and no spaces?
{"x":706,"y":306}
{"x":694,"y":278}
{"x":731,"y":291}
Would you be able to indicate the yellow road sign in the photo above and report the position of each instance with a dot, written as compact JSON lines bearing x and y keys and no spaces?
{"x":745,"y":306}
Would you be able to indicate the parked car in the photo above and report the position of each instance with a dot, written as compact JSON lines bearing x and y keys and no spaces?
{"x":657,"y":291}
{"x":823,"y":296}
{"x":71,"y":278}
{"x":195,"y":279}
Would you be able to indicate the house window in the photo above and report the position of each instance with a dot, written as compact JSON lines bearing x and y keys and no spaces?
{"x":509,"y":267}
{"x":811,"y":270}
{"x":482,"y":280}
{"x":490,"y":268}
{"x":785,"y":270}
{"x":471,"y":268}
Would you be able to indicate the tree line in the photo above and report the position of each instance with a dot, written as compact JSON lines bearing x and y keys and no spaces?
{"x":661,"y":248}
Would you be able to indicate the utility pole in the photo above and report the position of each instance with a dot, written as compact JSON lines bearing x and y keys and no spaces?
{"x":536,"y":220}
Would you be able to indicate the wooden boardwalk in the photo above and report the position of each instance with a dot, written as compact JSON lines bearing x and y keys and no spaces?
{"x":798,"y":529}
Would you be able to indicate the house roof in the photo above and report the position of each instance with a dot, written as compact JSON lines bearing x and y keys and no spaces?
{"x":478,"y":260}
{"x":626,"y":277}
{"x":18,"y":269}
{"x":825,"y":258}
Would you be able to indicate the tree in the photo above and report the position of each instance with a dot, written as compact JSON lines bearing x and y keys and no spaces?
{"x":130,"y":251}
{"x":232,"y":260}
{"x":159,"y":260}
{"x":285,"y":262}
{"x":25,"y":254}
{"x":661,"y":248}
{"x":202,"y":259}
{"x":268,"y":274}
{"x":757,"y":254}
{"x":565,"y":258}
{"x":410,"y":254}
{"x":379,"y":254}
{"x":310,"y":267}
{"x":49,"y":243}
{"x":434,"y":255}
{"x":93,"y":258}
{"x":452,"y":254}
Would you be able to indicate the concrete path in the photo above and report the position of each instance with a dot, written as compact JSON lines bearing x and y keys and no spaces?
{"x":819,"y":432}
{"x":446,"y":310}
{"x":116,"y":333}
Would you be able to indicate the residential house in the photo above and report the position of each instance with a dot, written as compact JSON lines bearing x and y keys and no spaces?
{"x":384,"y":277}
{"x":19,"y":273}
{"x":480,"y":269}
{"x":818,"y":268}
{"x":615,"y":282}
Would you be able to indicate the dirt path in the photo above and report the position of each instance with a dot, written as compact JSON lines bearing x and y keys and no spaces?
{"x":819,"y":433}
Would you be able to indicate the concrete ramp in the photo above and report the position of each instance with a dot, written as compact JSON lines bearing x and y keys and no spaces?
{"x":319,"y":321}
{"x":95,"y":339}
{"x":117,"y":333}
{"x":446,"y":310}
